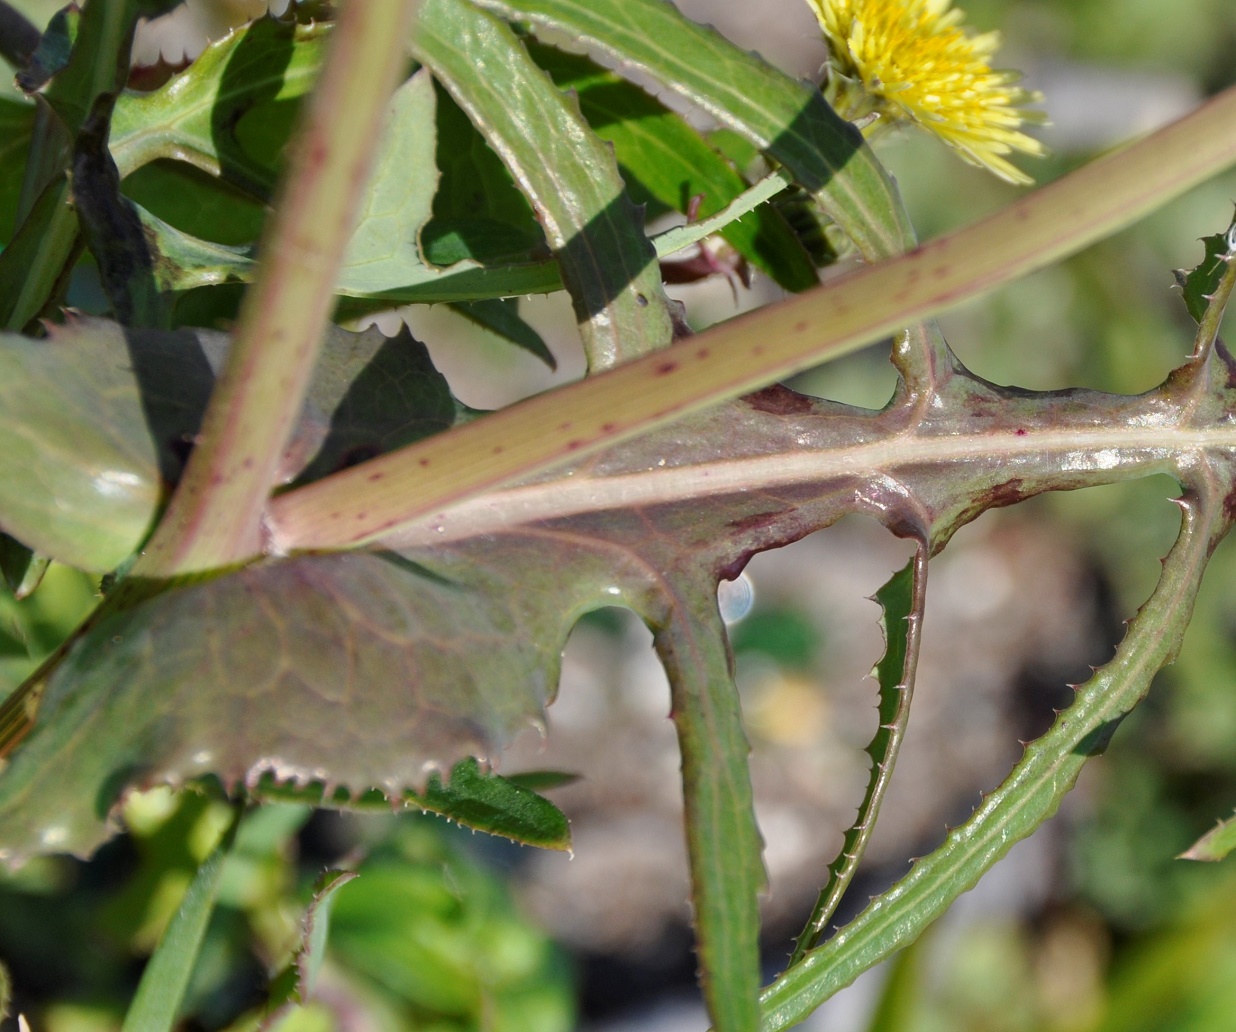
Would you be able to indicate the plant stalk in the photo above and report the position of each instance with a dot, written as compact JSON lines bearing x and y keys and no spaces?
{"x":376,"y":498}
{"x":215,"y":516}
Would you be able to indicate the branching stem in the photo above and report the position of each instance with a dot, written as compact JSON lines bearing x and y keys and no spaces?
{"x":214,"y":518}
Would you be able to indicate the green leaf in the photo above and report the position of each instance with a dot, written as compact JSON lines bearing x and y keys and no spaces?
{"x":1199,"y":283}
{"x":195,"y":202}
{"x":1216,"y":844}
{"x":478,"y":208}
{"x":115,"y":411}
{"x":384,"y":253}
{"x":166,"y":977}
{"x":21,"y":568}
{"x":1034,"y":788}
{"x":39,"y":257}
{"x":509,"y":807}
{"x":342,"y":669}
{"x":901,"y":602}
{"x":294,"y":985}
{"x":788,"y":120}
{"x":230,"y":111}
{"x":666,"y":164}
{"x":97,"y":63}
{"x":16,"y":125}
{"x":568,"y":174}
{"x":79,"y":473}
{"x":723,"y":842}
{"x":501,"y":316}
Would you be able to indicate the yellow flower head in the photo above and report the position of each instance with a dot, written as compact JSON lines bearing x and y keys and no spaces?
{"x":910,"y":60}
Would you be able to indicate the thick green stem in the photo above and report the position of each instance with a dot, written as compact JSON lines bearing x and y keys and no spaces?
{"x":376,"y":498}
{"x":215,"y":516}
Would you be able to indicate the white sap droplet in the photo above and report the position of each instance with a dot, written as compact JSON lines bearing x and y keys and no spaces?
{"x":735,"y":598}
{"x":53,"y":836}
{"x":203,"y":756}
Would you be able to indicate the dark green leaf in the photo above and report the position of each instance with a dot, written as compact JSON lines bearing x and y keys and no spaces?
{"x":569,"y":175}
{"x":901,"y":602}
{"x":21,"y":568}
{"x":1200,"y":282}
{"x":501,"y":316}
{"x":36,"y":262}
{"x":482,"y":801}
{"x":16,"y":124}
{"x":787,"y":120}
{"x":477,"y":204}
{"x":666,"y":164}
{"x":98,"y":61}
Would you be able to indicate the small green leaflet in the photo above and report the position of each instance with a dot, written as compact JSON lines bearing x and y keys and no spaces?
{"x":1200,"y":282}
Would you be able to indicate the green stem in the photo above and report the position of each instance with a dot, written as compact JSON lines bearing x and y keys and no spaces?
{"x":214,"y":518}
{"x":376,"y":498}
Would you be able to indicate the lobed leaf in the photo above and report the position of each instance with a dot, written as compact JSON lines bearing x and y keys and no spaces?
{"x":1033,"y":790}
{"x":901,"y":602}
{"x":1198,"y":285}
{"x":236,"y":92}
{"x":339,"y":669}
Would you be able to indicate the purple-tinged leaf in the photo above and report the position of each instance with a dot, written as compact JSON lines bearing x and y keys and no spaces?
{"x":350,"y":670}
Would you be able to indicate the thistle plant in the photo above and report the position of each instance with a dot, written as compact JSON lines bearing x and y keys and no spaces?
{"x":327,"y":581}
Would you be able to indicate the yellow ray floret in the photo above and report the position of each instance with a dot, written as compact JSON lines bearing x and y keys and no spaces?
{"x":910,"y":60}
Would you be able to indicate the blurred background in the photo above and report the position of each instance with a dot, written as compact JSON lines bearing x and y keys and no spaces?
{"x":1089,"y":925}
